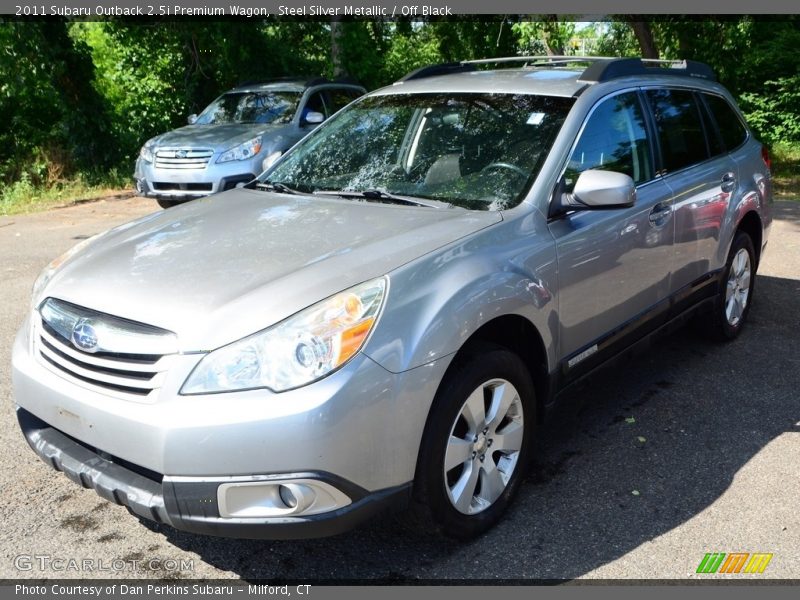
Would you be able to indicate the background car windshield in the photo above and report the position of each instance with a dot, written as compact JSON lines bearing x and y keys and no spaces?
{"x":251,"y":107}
{"x":479,"y":151}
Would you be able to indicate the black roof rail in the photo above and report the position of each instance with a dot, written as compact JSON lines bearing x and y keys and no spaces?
{"x":606,"y":70}
{"x":601,"y":68}
{"x":536,"y":61}
{"x":440,"y":69}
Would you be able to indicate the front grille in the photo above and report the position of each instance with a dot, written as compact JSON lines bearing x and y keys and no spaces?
{"x":183,"y":158}
{"x":132,"y":375}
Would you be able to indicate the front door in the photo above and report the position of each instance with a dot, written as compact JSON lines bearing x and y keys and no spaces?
{"x":614,"y":265}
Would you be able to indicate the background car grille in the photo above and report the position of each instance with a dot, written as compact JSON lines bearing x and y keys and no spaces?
{"x":183,"y":159}
{"x":127,"y":375}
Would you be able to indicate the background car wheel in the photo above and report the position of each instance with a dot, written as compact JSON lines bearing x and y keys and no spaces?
{"x":736,"y":290}
{"x":166,"y":203}
{"x":477,"y":442}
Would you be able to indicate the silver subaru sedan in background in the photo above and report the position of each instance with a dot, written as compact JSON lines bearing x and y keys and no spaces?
{"x":236,"y":137}
{"x":386,"y":315}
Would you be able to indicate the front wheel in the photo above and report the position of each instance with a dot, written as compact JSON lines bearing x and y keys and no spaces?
{"x":477,"y":442}
{"x":163,"y":203}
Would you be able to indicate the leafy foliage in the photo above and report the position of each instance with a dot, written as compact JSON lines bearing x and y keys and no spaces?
{"x":77,"y":99}
{"x":53,"y":119}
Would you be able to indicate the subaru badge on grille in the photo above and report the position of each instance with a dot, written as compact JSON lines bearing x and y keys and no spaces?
{"x":84,"y":336}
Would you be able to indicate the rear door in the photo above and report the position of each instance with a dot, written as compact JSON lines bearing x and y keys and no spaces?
{"x":614,"y":265}
{"x":702,"y":178}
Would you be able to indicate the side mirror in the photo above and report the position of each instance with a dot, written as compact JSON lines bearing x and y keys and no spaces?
{"x":313,"y":118}
{"x":602,"y":189}
{"x":191,"y":119}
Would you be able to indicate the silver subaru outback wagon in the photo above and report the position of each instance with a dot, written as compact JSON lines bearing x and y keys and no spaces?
{"x":387,"y":314}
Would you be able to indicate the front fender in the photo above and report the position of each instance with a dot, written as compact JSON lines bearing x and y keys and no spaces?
{"x":438,"y":301}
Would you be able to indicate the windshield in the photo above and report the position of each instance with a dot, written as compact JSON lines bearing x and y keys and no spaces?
{"x":477,"y":151}
{"x":251,"y":107}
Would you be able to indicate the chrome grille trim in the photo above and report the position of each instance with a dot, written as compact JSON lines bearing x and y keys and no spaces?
{"x":127,"y":376}
{"x":183,"y":158}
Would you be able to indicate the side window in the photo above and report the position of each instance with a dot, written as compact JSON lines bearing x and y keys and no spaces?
{"x":341,"y":97}
{"x":315,"y":104}
{"x":614,"y":139}
{"x":730,"y":125}
{"x":680,"y":129}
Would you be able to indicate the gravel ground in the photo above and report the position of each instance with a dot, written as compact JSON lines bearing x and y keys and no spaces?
{"x":692,"y":448}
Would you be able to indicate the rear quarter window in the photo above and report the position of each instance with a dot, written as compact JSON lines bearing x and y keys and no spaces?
{"x":730,"y":126}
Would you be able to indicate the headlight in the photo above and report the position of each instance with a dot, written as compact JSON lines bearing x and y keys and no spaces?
{"x":44,"y":277}
{"x":301,"y":349}
{"x":146,"y":153}
{"x":243,"y":151}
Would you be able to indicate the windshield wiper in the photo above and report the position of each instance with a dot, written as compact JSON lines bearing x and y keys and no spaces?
{"x":276,"y":186}
{"x":377,"y":195}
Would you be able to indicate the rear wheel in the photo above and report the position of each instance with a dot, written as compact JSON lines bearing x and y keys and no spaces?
{"x":476,"y":442}
{"x":736,"y":290}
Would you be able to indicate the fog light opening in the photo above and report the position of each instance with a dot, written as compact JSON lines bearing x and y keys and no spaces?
{"x":287,"y":497}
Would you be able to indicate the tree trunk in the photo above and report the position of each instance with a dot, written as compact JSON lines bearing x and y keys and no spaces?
{"x":336,"y":50}
{"x":644,"y":34}
{"x":554,"y":45}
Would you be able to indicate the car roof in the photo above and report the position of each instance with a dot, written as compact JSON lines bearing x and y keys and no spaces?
{"x":552,"y":76}
{"x":550,"y":82}
{"x":290,"y":84}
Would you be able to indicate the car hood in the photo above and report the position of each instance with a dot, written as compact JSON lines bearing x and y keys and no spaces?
{"x":216,"y":137}
{"x":218,"y":269}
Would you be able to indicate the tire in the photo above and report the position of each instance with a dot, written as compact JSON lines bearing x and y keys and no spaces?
{"x":480,"y":426}
{"x":735,"y":297}
{"x":166,"y":203}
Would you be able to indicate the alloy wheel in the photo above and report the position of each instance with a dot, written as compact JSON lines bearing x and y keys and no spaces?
{"x":737,"y":291}
{"x":484,"y":445}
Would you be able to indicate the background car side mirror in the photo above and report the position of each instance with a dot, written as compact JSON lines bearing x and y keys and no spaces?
{"x":596,"y":188}
{"x":313,"y":118}
{"x":191,"y":119}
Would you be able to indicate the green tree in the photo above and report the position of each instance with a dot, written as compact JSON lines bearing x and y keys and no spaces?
{"x":53,"y":120}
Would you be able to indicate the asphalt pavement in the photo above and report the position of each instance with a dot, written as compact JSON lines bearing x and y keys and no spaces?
{"x":692,"y":447}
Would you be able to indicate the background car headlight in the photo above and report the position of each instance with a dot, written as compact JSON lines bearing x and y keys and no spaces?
{"x":146,"y":153}
{"x":243,"y":151}
{"x":301,"y":349}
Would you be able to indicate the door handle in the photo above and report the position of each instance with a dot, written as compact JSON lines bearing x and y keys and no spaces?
{"x":728,"y":183}
{"x":660,"y":213}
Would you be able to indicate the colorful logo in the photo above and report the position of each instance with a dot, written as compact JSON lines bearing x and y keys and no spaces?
{"x":736,"y":562}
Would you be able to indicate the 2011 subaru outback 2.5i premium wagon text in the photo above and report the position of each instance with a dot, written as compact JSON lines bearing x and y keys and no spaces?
{"x":390,"y":310}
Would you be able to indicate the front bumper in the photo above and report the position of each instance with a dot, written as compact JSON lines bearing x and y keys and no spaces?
{"x":191,"y":504}
{"x":186,"y":184}
{"x":164,"y":455}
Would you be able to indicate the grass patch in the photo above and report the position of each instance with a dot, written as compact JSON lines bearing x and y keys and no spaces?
{"x":23,"y":196}
{"x":786,"y":171}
